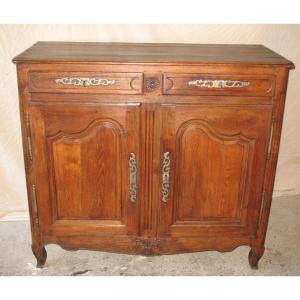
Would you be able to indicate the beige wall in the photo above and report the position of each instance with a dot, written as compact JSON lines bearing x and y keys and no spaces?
{"x":284,"y":39}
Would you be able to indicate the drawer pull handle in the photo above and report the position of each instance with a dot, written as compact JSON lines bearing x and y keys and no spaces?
{"x":85,"y":81}
{"x":166,"y":177}
{"x":218,"y":84}
{"x":132,"y":177}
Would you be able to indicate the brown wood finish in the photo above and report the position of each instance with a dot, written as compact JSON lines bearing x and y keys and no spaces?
{"x":124,"y":154}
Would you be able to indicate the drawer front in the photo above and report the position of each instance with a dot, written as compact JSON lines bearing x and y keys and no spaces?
{"x":209,"y":84}
{"x":86,"y":82}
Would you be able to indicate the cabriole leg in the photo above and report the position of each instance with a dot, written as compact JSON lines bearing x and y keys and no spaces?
{"x":40,"y":254}
{"x":255,"y":255}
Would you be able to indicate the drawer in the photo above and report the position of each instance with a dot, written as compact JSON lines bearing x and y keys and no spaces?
{"x":209,"y":84}
{"x":86,"y":82}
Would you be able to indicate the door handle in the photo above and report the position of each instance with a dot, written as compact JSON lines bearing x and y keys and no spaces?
{"x":132,"y":177}
{"x":165,"y":185}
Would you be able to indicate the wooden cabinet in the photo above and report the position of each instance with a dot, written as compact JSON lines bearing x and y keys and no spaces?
{"x":150,"y":148}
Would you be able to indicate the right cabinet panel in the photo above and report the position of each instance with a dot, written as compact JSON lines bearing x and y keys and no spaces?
{"x":212,"y":168}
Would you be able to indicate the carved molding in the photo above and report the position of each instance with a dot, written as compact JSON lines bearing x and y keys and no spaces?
{"x":99,"y":123}
{"x":271,"y":138}
{"x":132,"y":84}
{"x":149,"y":133}
{"x":262,"y":203}
{"x":212,"y":133}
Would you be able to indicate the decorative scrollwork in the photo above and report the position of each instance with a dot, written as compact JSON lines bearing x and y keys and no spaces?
{"x":218,"y":84}
{"x":85,"y":81}
{"x":132,"y":177}
{"x":166,"y":177}
{"x":149,"y":244}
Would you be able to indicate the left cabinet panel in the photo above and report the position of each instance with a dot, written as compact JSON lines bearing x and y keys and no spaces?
{"x":86,"y":160}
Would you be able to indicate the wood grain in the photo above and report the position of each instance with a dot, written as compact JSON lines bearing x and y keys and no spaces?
{"x":149,"y":53}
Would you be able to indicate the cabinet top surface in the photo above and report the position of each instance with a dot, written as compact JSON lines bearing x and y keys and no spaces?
{"x":73,"y":52}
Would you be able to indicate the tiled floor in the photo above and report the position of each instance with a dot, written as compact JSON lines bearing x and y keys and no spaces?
{"x":282,"y":255}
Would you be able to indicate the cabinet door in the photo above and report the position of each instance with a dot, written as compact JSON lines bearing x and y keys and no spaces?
{"x":213,"y":161}
{"x":85,"y":159}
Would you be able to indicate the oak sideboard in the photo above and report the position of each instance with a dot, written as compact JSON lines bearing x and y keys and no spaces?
{"x":150,"y":148}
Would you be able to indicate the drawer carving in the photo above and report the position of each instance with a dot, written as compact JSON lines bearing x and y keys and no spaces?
{"x":86,"y":82}
{"x":218,"y":84}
